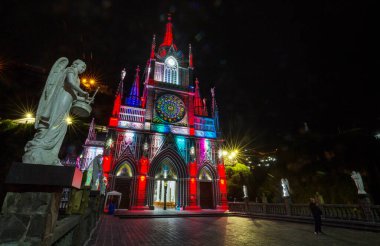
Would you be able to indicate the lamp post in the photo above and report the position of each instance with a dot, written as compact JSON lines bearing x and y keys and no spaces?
{"x":165,"y":190}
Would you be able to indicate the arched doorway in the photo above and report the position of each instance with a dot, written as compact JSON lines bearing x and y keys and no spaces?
{"x":206,"y":179}
{"x":123,"y":183}
{"x":165,"y":185}
{"x":171,"y":163}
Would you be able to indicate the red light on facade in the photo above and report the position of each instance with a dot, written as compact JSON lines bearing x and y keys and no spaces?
{"x":144,"y":165}
{"x":221,"y":171}
{"x":223,"y":188}
{"x":113,"y":121}
{"x":193,"y":169}
{"x":192,"y":131}
{"x":106,"y":164}
{"x":193,"y":187}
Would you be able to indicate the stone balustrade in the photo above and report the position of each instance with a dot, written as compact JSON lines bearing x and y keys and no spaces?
{"x":76,"y":228}
{"x":353,"y":215}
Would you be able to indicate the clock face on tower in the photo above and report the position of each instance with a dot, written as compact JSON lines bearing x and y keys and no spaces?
{"x":170,"y":108}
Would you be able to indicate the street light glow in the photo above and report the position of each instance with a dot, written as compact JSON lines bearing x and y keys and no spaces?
{"x":69,"y":120}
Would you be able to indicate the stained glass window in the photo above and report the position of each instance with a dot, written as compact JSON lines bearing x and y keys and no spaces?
{"x":170,"y":108}
{"x":171,"y":70}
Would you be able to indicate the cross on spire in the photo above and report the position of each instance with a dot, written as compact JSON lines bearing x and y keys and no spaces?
{"x":168,"y":39}
{"x":153,"y":47}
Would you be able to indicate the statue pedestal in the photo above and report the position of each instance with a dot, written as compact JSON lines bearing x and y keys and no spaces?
{"x":30,"y":209}
{"x":365,"y":204}
{"x":246,"y":203}
{"x":288,"y":203}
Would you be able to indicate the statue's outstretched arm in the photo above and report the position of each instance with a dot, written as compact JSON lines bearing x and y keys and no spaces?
{"x":70,"y":79}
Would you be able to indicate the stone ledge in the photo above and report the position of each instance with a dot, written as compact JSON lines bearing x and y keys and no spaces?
{"x":37,"y":175}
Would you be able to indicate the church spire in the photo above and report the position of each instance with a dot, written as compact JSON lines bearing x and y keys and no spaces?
{"x":91,"y":132}
{"x":214,"y":106}
{"x":119,"y":95}
{"x":134,"y":96}
{"x":190,"y":57}
{"x":215,"y":111}
{"x":198,"y":106}
{"x":153,"y":47}
{"x":204,"y":107}
{"x":168,"y":40}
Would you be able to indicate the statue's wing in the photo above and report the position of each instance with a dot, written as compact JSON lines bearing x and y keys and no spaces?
{"x":54,"y":80}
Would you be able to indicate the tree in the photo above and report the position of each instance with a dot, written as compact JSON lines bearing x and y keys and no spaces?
{"x":237,"y":176}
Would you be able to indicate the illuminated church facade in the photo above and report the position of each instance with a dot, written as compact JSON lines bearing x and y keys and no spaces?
{"x":163,"y":147}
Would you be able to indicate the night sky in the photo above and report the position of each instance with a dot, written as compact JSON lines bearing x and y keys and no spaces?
{"x":275,"y":64}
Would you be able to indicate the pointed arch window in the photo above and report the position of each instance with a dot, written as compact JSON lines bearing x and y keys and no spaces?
{"x":124,"y":170}
{"x":171,"y":70}
{"x":205,"y":174}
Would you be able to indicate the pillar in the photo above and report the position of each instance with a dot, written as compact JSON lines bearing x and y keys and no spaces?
{"x":223,"y":203}
{"x":141,"y":184}
{"x":288,"y":204}
{"x":365,"y":204}
{"x":193,"y":202}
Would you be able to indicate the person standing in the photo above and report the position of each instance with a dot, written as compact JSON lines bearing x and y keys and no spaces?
{"x":319,"y":198}
{"x":316,"y":212}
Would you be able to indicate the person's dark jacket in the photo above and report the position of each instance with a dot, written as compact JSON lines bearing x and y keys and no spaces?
{"x":315,"y":210}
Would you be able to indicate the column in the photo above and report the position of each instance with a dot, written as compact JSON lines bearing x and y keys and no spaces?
{"x":223,"y":204}
{"x":141,"y":184}
{"x":193,"y":203}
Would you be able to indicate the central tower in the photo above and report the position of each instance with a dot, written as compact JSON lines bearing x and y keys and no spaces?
{"x":164,"y":148}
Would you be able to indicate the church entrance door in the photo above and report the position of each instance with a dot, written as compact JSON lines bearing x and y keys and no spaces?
{"x":123,"y":185}
{"x":206,"y":199}
{"x":165,"y":186}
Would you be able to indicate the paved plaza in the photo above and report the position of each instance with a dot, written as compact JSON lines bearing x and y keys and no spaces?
{"x":221,"y":231}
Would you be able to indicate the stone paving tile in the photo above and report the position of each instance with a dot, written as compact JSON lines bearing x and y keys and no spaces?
{"x":221,"y":231}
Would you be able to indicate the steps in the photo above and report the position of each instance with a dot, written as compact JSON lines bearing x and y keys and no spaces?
{"x":171,"y":214}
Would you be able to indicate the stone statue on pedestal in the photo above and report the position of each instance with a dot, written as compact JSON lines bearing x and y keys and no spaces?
{"x":97,"y":172}
{"x":60,"y":92}
{"x":359,"y":182}
{"x":245,"y":192}
{"x":285,"y":188}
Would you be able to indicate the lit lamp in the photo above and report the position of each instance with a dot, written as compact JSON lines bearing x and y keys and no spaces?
{"x":109,"y":142}
{"x":69,"y":120}
{"x":145,"y":150}
{"x":192,"y":153}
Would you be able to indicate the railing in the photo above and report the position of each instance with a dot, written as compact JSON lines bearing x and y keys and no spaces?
{"x":302,"y":210}
{"x":64,"y":203}
{"x":131,"y":114}
{"x":204,"y":124}
{"x":75,"y":229}
{"x":343,"y":212}
{"x":355,"y":216}
{"x":277,"y":209}
{"x":375,"y":209}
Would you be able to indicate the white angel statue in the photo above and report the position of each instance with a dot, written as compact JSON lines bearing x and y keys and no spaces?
{"x":61,"y":88}
{"x":359,"y":182}
{"x":285,"y":188}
